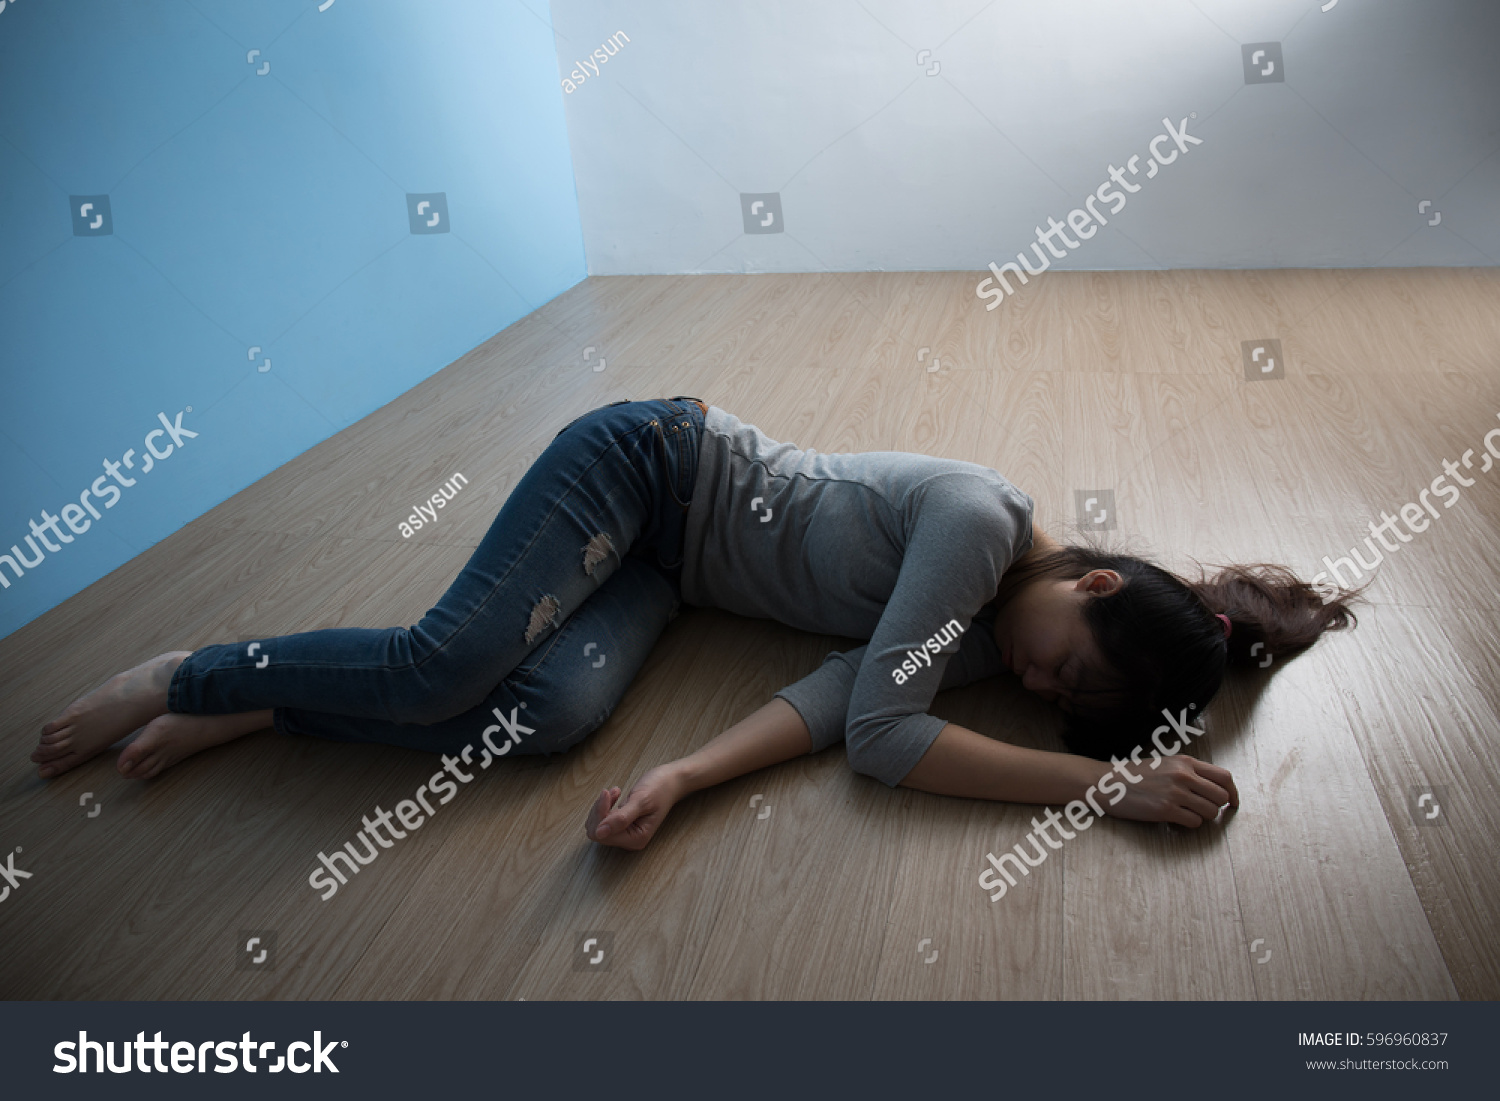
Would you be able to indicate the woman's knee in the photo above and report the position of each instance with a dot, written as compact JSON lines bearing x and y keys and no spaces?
{"x":560,"y":724}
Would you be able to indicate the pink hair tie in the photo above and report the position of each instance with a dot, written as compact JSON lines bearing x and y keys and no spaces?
{"x":1228,"y":626}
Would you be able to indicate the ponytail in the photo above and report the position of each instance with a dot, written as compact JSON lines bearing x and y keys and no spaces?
{"x":1274,"y":614}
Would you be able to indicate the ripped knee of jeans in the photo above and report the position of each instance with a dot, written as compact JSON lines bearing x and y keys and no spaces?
{"x":597,"y":550}
{"x":543,"y":615}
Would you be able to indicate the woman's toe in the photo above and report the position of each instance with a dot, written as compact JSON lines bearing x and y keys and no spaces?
{"x":57,"y":766}
{"x":130,"y":759}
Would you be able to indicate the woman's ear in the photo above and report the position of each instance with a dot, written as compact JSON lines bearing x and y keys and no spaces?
{"x":1100,"y":582}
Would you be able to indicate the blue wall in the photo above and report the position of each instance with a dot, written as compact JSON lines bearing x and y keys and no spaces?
{"x":250,"y":203}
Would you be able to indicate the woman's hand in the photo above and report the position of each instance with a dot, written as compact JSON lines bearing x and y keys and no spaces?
{"x":1180,"y":789}
{"x":633,"y":822}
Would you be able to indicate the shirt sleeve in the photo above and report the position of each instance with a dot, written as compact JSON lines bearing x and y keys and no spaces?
{"x":822,"y":697}
{"x":964,"y":532}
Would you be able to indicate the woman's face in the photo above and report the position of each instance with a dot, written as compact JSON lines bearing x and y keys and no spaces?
{"x":1043,"y":638}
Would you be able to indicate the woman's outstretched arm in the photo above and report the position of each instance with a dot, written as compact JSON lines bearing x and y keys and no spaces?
{"x":960,"y":762}
{"x":1178,"y":789}
{"x":774,"y":733}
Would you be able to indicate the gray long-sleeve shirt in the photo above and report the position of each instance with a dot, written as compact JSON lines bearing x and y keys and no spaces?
{"x":882,"y":545}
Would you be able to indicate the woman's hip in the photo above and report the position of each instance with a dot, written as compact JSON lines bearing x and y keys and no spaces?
{"x":645,"y":448}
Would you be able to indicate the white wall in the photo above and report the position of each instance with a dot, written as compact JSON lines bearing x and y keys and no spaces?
{"x":1384,"y":104}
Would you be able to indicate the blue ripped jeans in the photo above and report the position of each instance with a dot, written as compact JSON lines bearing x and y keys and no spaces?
{"x":543,"y":630}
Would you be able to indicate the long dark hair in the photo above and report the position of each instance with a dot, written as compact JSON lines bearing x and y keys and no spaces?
{"x":1163,"y":643}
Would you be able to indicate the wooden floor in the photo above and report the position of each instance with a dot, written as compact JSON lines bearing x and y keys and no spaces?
{"x":1325,"y":885}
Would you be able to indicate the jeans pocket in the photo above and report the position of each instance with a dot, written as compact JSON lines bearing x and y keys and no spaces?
{"x":676,"y":459}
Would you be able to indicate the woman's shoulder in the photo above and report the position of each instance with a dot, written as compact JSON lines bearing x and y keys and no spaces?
{"x":971,"y":485}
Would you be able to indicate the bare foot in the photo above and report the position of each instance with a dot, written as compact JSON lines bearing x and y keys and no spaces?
{"x":169,"y":738}
{"x":91,"y":724}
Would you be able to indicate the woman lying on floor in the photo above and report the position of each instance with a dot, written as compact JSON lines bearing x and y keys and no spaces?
{"x":637,"y":507}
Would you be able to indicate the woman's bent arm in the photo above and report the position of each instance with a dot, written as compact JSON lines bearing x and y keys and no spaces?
{"x":1176,"y":789}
